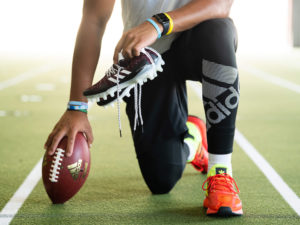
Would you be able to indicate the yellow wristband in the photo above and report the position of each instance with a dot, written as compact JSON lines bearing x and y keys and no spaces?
{"x":171,"y":24}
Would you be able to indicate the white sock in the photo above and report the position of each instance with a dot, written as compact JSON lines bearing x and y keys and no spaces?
{"x":224,"y":159}
{"x":192,"y":150}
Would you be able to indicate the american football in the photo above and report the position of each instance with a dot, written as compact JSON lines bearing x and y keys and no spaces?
{"x":64,"y":176}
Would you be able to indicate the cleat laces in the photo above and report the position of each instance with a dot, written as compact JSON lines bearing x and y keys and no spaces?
{"x":138,"y":118}
{"x":118,"y":102}
{"x":112,"y":70}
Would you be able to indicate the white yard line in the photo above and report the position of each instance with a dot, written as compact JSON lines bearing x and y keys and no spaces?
{"x":271,"y":78}
{"x":25,"y":76}
{"x":17,"y":200}
{"x":278,"y":183}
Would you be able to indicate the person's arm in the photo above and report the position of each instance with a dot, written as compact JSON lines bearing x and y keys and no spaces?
{"x":88,"y":43}
{"x":85,"y":58}
{"x":198,"y":11}
{"x":184,"y":18}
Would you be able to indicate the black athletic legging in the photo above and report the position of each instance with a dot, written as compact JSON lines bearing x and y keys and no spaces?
{"x":205,"y":53}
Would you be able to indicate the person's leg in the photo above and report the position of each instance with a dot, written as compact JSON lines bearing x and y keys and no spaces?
{"x":159,"y":144}
{"x":210,"y":58}
{"x":162,"y":163}
{"x":209,"y":50}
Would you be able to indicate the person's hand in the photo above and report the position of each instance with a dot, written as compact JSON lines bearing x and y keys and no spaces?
{"x":135,"y":39}
{"x":69,"y":125}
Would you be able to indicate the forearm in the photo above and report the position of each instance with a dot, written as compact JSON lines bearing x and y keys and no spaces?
{"x":85,"y":57}
{"x":197,"y":11}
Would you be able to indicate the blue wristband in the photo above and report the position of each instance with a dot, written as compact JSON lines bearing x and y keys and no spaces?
{"x":155,"y":26}
{"x":77,"y":103}
{"x":78,"y":106}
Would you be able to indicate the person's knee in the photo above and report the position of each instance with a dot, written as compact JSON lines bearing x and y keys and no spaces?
{"x":215,"y":38}
{"x":164,"y":183}
{"x":216,"y":30}
{"x":161,"y":186}
{"x":161,"y":178}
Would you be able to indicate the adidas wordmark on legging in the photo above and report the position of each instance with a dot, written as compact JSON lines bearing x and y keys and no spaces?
{"x":220,"y":91}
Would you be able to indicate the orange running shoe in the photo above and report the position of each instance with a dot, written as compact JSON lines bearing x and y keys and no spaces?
{"x":197,"y":132}
{"x":200,"y":161}
{"x":221,"y":193}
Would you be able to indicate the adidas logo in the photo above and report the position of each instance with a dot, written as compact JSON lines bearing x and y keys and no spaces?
{"x":220,"y":95}
{"x":221,"y":170}
{"x":74,"y":169}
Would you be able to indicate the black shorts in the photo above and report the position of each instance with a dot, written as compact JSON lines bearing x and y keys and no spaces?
{"x":159,"y":146}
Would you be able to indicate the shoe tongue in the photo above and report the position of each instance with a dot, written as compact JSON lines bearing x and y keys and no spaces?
{"x":220,"y":170}
{"x":120,"y":56}
{"x":122,"y":61}
{"x":217,"y":169}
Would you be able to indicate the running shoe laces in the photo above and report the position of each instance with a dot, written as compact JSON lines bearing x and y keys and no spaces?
{"x":220,"y":182}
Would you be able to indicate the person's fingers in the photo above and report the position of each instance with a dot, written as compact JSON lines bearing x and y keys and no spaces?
{"x":127,"y":45}
{"x":118,"y":49}
{"x":49,"y":140}
{"x":71,"y":139}
{"x":90,"y":137}
{"x":128,"y":49}
{"x":55,"y":140}
{"x":136,"y":50}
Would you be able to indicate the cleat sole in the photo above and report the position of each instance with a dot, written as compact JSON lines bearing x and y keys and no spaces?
{"x":126,"y":93}
{"x":149,"y":72}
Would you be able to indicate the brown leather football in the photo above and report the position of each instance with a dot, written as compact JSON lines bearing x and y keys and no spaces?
{"x":64,"y":176}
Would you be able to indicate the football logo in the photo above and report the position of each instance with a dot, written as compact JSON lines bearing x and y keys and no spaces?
{"x":74,"y":169}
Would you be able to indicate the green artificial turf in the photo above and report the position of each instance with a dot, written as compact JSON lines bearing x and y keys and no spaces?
{"x":115,"y":192}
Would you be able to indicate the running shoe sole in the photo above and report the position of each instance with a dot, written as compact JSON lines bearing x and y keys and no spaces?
{"x":224,"y":212}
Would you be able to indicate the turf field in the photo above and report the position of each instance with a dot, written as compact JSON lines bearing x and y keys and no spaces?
{"x":115,"y":193}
